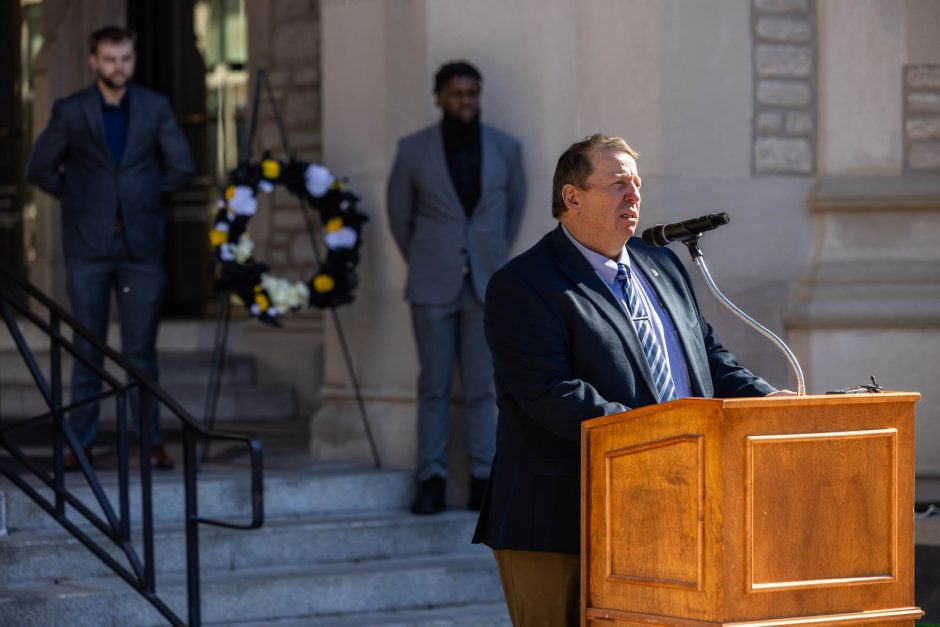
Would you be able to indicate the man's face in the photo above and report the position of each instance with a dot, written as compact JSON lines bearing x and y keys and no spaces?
{"x":605,"y":214}
{"x":460,"y":98}
{"x":113,"y":63}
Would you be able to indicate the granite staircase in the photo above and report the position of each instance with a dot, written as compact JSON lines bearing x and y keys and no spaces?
{"x":338,"y":546}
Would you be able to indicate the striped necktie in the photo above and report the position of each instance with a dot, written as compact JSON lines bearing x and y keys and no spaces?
{"x":644,"y":330}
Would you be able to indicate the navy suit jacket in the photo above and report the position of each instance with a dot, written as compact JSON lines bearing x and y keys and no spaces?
{"x":71,"y":161}
{"x":564,"y":351}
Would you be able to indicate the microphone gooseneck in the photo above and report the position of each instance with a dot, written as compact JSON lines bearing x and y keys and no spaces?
{"x":770,"y":335}
{"x":688,"y":232}
{"x":663,"y":234}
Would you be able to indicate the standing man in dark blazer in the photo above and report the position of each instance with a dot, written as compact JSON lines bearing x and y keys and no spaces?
{"x":456,"y":195}
{"x":108,"y":153}
{"x":588,"y":322}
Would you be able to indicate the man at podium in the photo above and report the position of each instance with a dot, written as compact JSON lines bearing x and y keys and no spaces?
{"x":586,"y":323}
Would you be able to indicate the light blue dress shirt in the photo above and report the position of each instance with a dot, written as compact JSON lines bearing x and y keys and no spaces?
{"x":663,"y":327}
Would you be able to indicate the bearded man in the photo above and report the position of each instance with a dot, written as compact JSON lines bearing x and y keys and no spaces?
{"x":108,"y":153}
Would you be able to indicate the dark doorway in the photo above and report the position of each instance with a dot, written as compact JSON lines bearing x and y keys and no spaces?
{"x":12,"y":133}
{"x":169,"y":62}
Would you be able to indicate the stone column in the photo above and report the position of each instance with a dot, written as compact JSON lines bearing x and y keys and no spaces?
{"x":371,"y":50}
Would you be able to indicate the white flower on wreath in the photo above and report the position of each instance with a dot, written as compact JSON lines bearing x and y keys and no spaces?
{"x":285,"y":295}
{"x":243,"y":201}
{"x":318,"y":179}
{"x":343,"y":238}
{"x":243,"y":249}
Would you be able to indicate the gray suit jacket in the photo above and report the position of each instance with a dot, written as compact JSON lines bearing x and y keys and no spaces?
{"x":71,"y":161}
{"x":430,"y":225}
{"x":565,"y":351}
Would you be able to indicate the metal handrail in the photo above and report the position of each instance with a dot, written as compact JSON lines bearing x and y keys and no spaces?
{"x":115,"y":526}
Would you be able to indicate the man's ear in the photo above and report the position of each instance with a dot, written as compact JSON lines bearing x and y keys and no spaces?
{"x":92,"y":63}
{"x":438,"y":101}
{"x":571,"y":196}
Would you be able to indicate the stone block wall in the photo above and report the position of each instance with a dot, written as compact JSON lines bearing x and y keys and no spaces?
{"x":784,"y":57}
{"x":922,"y":118}
{"x":284,"y":39}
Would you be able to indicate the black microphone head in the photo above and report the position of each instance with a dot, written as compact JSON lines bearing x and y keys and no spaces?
{"x":655,"y":236}
{"x":717,"y":219}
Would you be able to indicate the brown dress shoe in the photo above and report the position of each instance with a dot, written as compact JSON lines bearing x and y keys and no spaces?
{"x":160,"y":459}
{"x":71,"y":463}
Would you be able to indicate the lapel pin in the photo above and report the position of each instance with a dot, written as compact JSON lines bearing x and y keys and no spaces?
{"x":653,"y":271}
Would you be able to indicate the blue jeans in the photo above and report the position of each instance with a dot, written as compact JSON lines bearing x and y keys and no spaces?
{"x":139,"y":286}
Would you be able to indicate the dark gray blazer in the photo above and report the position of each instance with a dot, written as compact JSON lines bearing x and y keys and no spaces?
{"x":71,"y":161}
{"x":564,"y":351}
{"x":430,"y":225}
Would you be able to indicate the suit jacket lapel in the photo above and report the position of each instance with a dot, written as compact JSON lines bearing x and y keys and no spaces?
{"x":135,"y":117}
{"x":91,"y":104}
{"x":673,"y":303}
{"x":439,"y":162}
{"x":488,"y":171}
{"x":573,"y":264}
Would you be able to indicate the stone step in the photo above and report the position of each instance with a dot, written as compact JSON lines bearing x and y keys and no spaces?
{"x":44,"y":554}
{"x":173,"y":335}
{"x":241,"y":402}
{"x":174,"y":368}
{"x":473,"y":615}
{"x":177,"y":336}
{"x":263,"y":594}
{"x":316,"y":490}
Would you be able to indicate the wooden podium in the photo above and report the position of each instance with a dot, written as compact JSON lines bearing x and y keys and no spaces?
{"x":758,"y":512}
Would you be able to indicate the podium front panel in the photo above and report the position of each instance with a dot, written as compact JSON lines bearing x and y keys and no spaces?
{"x":818,"y":506}
{"x":814,"y":495}
{"x":653,"y":523}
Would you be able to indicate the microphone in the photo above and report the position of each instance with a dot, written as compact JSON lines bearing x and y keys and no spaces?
{"x":662,"y":234}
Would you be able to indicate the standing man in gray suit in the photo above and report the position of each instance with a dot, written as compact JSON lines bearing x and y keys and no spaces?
{"x":456,"y":196}
{"x":107,"y":154}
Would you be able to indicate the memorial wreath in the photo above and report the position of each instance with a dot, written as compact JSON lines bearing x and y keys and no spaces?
{"x":265,"y":296}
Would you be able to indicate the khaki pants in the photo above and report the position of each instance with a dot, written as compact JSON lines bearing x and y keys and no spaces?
{"x":542,"y":589}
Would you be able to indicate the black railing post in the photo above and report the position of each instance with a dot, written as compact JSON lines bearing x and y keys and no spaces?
{"x":192,"y":527}
{"x":123,"y":466}
{"x":146,"y":485}
{"x":58,"y":439}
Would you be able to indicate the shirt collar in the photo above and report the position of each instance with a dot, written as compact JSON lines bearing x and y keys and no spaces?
{"x":105,"y":105}
{"x":602,"y":265}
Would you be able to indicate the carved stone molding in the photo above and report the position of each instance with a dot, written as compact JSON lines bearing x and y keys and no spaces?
{"x":874,"y":260}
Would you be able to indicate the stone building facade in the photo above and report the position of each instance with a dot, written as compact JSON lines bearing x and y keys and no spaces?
{"x":284,"y":40}
{"x":784,"y":48}
{"x":814,"y":124}
{"x":791,"y":115}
